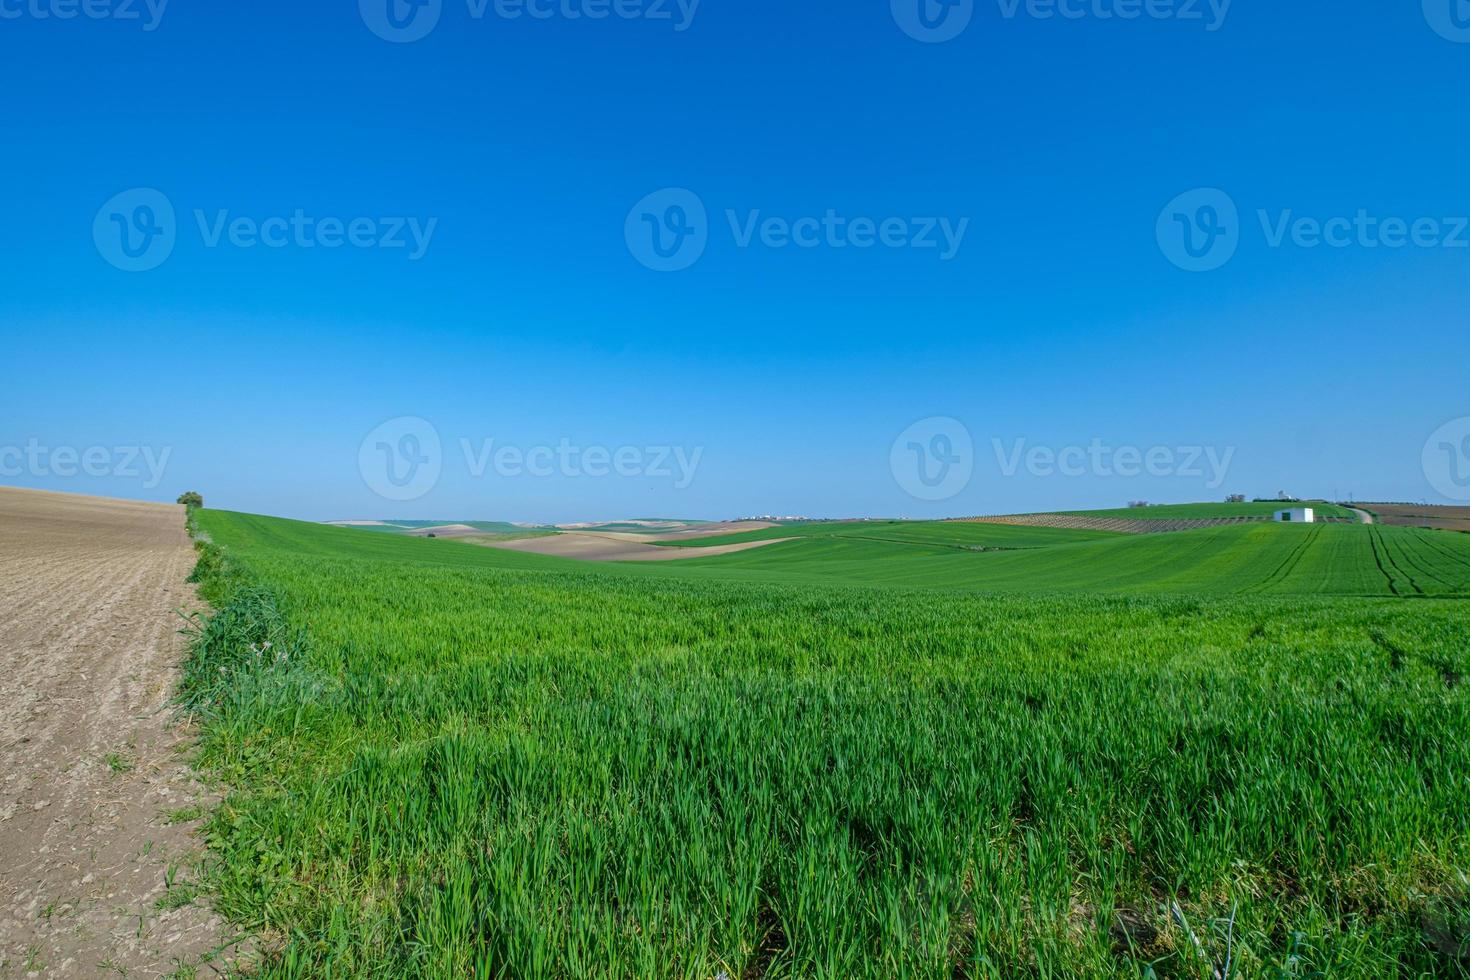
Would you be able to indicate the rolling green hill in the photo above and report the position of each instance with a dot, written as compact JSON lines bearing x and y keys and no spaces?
{"x":868,"y":753}
{"x":945,"y":533}
{"x":1323,"y":559}
{"x":1179,"y":512}
{"x":1306,"y":559}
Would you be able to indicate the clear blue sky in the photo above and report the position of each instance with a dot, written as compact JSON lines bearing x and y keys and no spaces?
{"x":529,"y":320}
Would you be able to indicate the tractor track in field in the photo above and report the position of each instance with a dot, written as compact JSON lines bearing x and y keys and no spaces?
{"x":951,"y":546}
{"x":1399,"y":566}
{"x":1288,"y":565}
{"x":96,"y":797}
{"x":1413,"y":559}
{"x":1378,"y":560}
{"x":1381,"y":554}
{"x":1437,"y":544}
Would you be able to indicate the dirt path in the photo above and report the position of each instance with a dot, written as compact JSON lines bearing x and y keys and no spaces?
{"x":1363,"y":516}
{"x":97,"y":804}
{"x":1441,"y":517}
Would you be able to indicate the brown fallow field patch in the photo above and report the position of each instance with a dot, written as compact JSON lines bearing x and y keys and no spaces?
{"x":98,"y":806}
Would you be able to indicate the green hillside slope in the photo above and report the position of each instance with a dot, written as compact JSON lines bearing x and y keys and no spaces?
{"x":1324,"y":559}
{"x":1177,"y":512}
{"x":448,"y":761}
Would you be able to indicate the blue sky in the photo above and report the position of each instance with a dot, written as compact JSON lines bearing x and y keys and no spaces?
{"x":522,"y":145}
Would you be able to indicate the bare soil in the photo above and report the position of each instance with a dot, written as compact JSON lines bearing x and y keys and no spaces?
{"x":1445,"y":518}
{"x":616,"y":547}
{"x":98,"y":806}
{"x":669,"y":530}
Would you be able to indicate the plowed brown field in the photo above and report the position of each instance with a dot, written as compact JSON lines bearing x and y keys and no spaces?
{"x":1422,"y":515}
{"x":96,"y":798}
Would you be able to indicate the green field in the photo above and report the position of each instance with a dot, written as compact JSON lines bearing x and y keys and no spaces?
{"x":881,"y":750}
{"x":1180,"y":512}
{"x":951,"y":533}
{"x":1320,"y":559}
{"x":642,"y":525}
{"x":1238,"y":559}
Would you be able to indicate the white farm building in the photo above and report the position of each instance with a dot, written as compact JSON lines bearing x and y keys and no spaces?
{"x":1296,"y":515}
